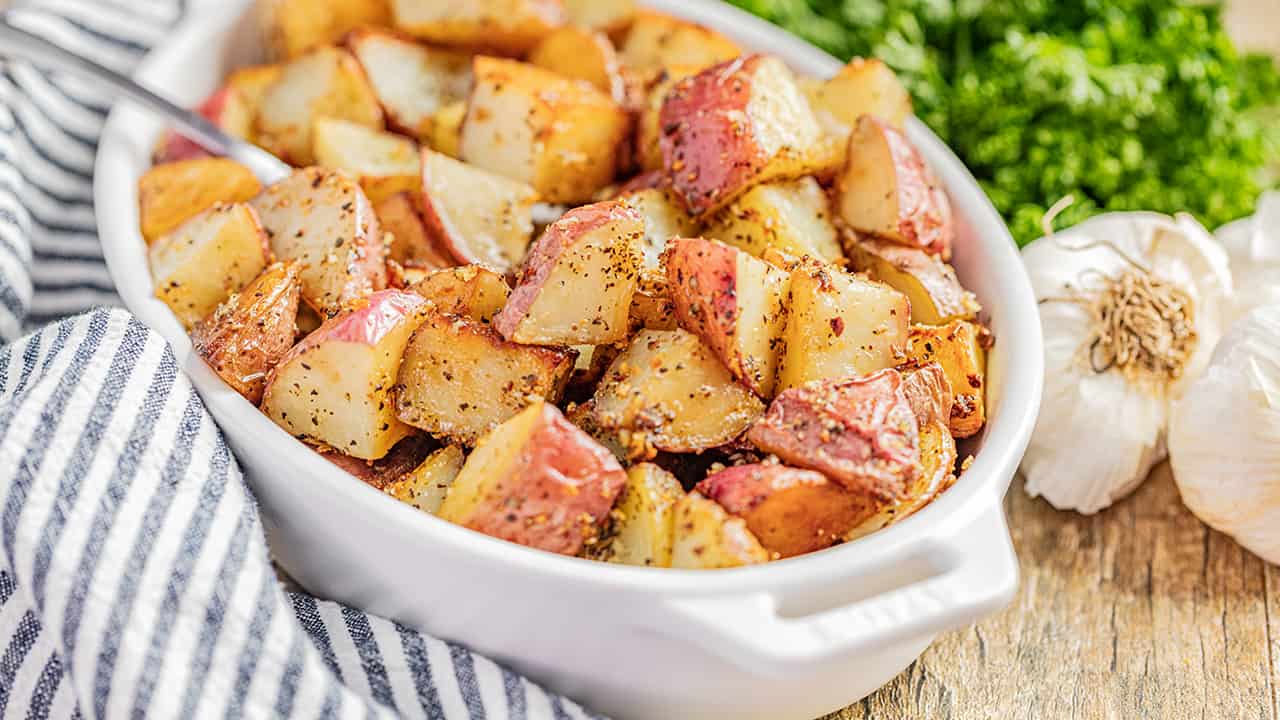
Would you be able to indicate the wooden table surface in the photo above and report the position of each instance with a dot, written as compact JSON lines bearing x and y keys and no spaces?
{"x":1140,"y":611}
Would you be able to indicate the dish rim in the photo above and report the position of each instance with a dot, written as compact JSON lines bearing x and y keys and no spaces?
{"x":128,"y":132}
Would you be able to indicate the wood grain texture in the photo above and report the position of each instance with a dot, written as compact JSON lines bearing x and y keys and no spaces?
{"x":1139,"y":611}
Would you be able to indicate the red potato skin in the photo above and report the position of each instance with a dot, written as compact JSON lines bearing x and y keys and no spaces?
{"x":566,"y":484}
{"x":790,"y":511}
{"x":928,"y":391}
{"x":925,"y":211}
{"x":546,"y":250}
{"x":248,"y":335}
{"x":708,"y":144}
{"x":389,"y":308}
{"x":644,"y":181}
{"x":860,"y":432}
{"x":703,"y":277}
{"x":175,"y":146}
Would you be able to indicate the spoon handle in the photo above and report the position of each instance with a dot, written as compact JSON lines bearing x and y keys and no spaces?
{"x":18,"y":43}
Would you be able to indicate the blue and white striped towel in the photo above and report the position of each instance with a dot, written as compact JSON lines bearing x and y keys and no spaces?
{"x":134,"y":578}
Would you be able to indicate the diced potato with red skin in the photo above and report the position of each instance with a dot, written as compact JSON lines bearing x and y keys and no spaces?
{"x":653,"y":311}
{"x":790,"y":511}
{"x":460,"y":379}
{"x":929,"y":394}
{"x":644,"y":520}
{"x":583,"y":54}
{"x":531,"y":125}
{"x":446,"y":129}
{"x":668,"y":391}
{"x":959,"y":348}
{"x":887,"y":190}
{"x":840,"y":325}
{"x":481,"y":217}
{"x":412,"y":81}
{"x":735,"y":303}
{"x":539,"y":481}
{"x":648,"y":132}
{"x":732,"y":126}
{"x":930,"y":284}
{"x":385,"y":164}
{"x":325,"y":82}
{"x":470,"y":291}
{"x":400,"y":216}
{"x":386,"y":470}
{"x":198,"y":265}
{"x":426,"y":486}
{"x":296,"y":26}
{"x":249,"y":333}
{"x":707,"y":537}
{"x":335,"y":387}
{"x":657,"y":40}
{"x":863,"y":87}
{"x":793,"y":216}
{"x":173,"y":193}
{"x":576,"y":285}
{"x":858,"y":431}
{"x":510,"y":27}
{"x":322,"y":219}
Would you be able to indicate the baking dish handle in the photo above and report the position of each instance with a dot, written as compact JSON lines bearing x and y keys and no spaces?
{"x":979,"y":575}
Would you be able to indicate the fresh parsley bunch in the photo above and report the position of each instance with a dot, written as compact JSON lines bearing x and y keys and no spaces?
{"x":1125,"y":104}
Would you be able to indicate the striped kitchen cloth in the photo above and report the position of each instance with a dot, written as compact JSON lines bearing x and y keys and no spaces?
{"x":134,"y":577}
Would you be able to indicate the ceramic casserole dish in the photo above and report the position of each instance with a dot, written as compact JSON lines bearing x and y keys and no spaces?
{"x":787,"y":639}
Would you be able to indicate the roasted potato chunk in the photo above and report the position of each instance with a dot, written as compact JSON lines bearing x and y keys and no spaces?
{"x":411,"y":245}
{"x":958,"y":348}
{"x":471,"y":291}
{"x":575,"y":287}
{"x":252,"y":331}
{"x":656,"y":41}
{"x":887,"y":190}
{"x":668,"y":391}
{"x":707,"y":537}
{"x":426,"y":486}
{"x":930,"y":284}
{"x":732,"y":126}
{"x":863,"y":87}
{"x":858,"y":431}
{"x":173,"y":193}
{"x":481,"y":217}
{"x":793,"y":216}
{"x":735,"y":303}
{"x":582,"y":54}
{"x":325,"y":82}
{"x":195,"y":267}
{"x":510,"y":27}
{"x":296,"y":26}
{"x":840,"y":325}
{"x":644,"y":520}
{"x":334,"y":387}
{"x":664,"y":218}
{"x":539,"y":481}
{"x":322,"y":219}
{"x":383,"y":163}
{"x":529,"y":124}
{"x":446,"y":129}
{"x":790,"y":511}
{"x":413,"y":82}
{"x":449,"y":358}
{"x":609,"y":16}
{"x":648,"y":131}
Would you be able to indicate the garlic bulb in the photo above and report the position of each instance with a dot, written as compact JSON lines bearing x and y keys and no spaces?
{"x":1224,"y":436}
{"x":1253,"y":245}
{"x":1131,"y":305}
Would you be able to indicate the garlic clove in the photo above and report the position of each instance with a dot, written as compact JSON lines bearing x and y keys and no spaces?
{"x":1253,"y":245}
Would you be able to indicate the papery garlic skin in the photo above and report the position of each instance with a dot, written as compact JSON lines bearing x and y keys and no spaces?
{"x":1099,"y":434}
{"x":1253,"y":245}
{"x":1224,"y":436}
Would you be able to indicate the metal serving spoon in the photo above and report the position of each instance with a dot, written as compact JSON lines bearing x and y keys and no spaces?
{"x":17,"y":43}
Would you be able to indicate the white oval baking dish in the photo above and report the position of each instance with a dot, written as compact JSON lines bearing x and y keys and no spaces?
{"x":790,"y":639}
